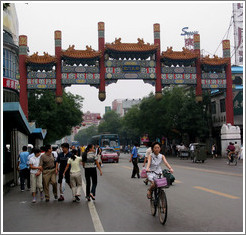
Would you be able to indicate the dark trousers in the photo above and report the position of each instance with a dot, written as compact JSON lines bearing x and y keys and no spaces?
{"x":24,"y":174}
{"x":91,"y":173}
{"x":135,"y":169}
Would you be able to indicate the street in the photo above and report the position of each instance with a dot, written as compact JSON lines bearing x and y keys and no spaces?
{"x":205,"y":197}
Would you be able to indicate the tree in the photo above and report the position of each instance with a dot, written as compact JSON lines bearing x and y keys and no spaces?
{"x":84,"y":136}
{"x":111,"y":123}
{"x":58,"y":119}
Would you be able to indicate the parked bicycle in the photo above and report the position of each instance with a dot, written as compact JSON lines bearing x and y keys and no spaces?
{"x":159,"y":199}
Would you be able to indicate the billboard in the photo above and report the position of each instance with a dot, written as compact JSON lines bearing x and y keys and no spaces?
{"x":238,"y":32}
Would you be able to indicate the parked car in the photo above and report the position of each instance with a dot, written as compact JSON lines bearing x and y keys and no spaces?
{"x":142,"y":152}
{"x":109,"y":155}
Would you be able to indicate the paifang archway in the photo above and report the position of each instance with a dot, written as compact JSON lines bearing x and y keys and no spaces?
{"x":119,"y":60}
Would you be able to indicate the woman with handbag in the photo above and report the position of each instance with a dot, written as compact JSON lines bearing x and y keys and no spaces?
{"x":90,"y":162}
{"x":154,"y":164}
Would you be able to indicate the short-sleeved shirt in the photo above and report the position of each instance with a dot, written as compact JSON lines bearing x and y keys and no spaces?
{"x":148,"y":152}
{"x":47,"y":161}
{"x":35,"y":162}
{"x":75,"y":167}
{"x":231,"y":147}
{"x":62,"y":159}
{"x":23,"y":159}
{"x":91,"y":159}
{"x":134,"y":152}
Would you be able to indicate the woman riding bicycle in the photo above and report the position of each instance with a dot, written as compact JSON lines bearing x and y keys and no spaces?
{"x":154,"y":165}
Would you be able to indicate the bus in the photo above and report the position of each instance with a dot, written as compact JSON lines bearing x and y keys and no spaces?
{"x":107,"y":140}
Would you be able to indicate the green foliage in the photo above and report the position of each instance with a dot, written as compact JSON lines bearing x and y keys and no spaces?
{"x":175,"y":114}
{"x":84,"y":136}
{"x":111,"y":123}
{"x":58,"y":119}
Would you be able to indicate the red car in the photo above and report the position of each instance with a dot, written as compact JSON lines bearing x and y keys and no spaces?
{"x":109,"y":155}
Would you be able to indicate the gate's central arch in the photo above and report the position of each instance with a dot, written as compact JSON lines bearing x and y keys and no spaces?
{"x":117,"y":60}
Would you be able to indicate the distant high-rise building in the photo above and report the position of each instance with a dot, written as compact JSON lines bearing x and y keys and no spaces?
{"x":121,"y":106}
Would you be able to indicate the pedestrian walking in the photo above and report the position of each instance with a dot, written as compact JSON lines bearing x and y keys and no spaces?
{"x":75,"y":175}
{"x":134,"y":160}
{"x":47,"y":162}
{"x":61,"y":163}
{"x":36,"y":175}
{"x":237,"y":149}
{"x":99,"y":153}
{"x":214,"y":151}
{"x":54,"y":152}
{"x":89,"y":159}
{"x":23,"y":167}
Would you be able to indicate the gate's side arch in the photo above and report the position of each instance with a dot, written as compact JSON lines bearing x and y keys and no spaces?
{"x":118,"y":60}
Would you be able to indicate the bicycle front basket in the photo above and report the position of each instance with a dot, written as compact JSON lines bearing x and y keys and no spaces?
{"x":162,"y":182}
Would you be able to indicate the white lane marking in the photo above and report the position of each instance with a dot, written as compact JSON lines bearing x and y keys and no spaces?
{"x":94,"y":215}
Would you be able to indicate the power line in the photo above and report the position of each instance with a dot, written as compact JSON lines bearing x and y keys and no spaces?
{"x":227,"y":32}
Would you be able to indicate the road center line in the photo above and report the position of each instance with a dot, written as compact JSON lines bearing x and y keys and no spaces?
{"x":127,"y":167}
{"x":211,"y":171}
{"x":216,"y":192}
{"x":94,"y":215}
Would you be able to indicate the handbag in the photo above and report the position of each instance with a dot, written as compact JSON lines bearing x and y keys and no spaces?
{"x":161,"y":182}
{"x":143,"y":174}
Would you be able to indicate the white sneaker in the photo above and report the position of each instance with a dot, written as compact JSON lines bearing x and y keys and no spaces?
{"x":34,"y":200}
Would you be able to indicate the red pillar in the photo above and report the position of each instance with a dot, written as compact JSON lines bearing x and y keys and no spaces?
{"x":102,"y":93}
{"x":198,"y":68}
{"x":157,"y":41}
{"x":58,"y":66}
{"x":229,"y":94}
{"x":23,"y":74}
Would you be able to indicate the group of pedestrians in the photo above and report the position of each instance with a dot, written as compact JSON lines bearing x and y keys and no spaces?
{"x":41,"y":168}
{"x":154,"y":158}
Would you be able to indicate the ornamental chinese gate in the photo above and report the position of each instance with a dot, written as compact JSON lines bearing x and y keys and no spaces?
{"x":117,"y":60}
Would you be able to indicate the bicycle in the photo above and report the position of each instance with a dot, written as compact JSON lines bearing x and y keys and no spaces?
{"x":159,"y":200}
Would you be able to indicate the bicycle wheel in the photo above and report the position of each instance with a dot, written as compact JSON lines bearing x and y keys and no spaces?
{"x":162,"y":207}
{"x":153,"y":205}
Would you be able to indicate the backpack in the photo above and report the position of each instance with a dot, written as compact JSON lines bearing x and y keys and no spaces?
{"x":169,"y":176}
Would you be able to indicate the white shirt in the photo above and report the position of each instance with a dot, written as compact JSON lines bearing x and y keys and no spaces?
{"x":35,"y":162}
{"x":148,"y":152}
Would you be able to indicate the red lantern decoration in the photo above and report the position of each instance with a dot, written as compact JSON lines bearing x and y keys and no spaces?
{"x":83,"y":124}
{"x":98,"y":117}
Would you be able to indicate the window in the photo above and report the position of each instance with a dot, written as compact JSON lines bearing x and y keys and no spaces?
{"x":222,"y":106}
{"x":9,"y":64}
{"x":213,"y":107}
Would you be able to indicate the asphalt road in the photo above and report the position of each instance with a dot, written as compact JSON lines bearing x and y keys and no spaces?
{"x":205,"y":197}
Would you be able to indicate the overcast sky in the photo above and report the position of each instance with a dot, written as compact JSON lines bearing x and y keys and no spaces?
{"x":129,"y":20}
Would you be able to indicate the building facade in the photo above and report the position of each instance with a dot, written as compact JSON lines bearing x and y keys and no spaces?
{"x":17,"y":131}
{"x":121,"y":106}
